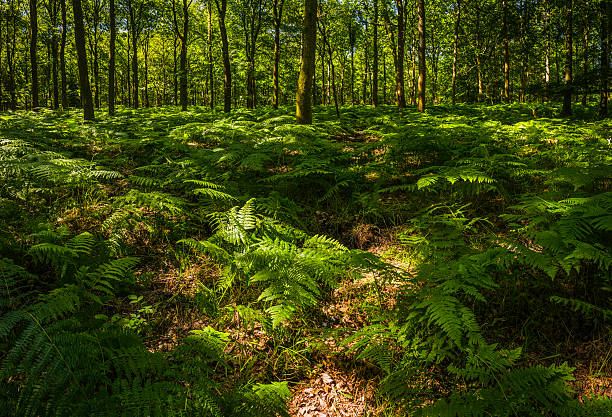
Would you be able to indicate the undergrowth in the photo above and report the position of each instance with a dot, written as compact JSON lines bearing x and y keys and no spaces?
{"x":506,"y":223}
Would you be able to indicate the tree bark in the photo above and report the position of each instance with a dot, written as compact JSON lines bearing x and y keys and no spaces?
{"x":79,"y":35}
{"x":422,"y":63}
{"x":375,"y":57}
{"x":585,"y":70}
{"x":506,"y":52}
{"x":33,"y":52}
{"x":478,"y":64}
{"x":111,"y":59}
{"x":304,"y":88}
{"x":182,"y":35}
{"x":605,"y":59}
{"x":399,"y":64}
{"x":277,"y":13}
{"x":227,"y":70}
{"x":455,"y":50}
{"x":211,"y":84}
{"x":567,"y":82}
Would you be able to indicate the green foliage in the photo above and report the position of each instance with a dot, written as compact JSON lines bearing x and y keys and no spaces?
{"x":59,"y":361}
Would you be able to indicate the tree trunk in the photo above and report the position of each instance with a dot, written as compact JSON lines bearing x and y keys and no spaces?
{"x":79,"y":37}
{"x":605,"y":59}
{"x":506,"y":52}
{"x":547,"y":52}
{"x":401,"y":42}
{"x":62,"y":56}
{"x":111,"y":59}
{"x":175,"y":71}
{"x":455,"y":47}
{"x":567,"y":83}
{"x":227,"y":70}
{"x":135,"y":79}
{"x":128,"y":64}
{"x":10,"y":56}
{"x":33,"y":57}
{"x":183,"y":37}
{"x":478,"y":65}
{"x":304,"y":94}
{"x":55,"y":58}
{"x":422,"y":63}
{"x":585,"y":70}
{"x":146,"y":71}
{"x":211,"y":84}
{"x":375,"y":57}
{"x":277,"y":12}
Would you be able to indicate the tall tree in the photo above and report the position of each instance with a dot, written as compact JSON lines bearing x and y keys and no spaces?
{"x":111,"y":58}
{"x":52,"y":7}
{"x":251,"y":13}
{"x":93,"y":15}
{"x":79,"y":38}
{"x":303,"y":98}
{"x":585,"y":57}
{"x":422,"y":64}
{"x":375,"y":57}
{"x":455,"y":49}
{"x":211,"y":80}
{"x":605,"y":58}
{"x":506,"y":51}
{"x":227,"y":70}
{"x":136,"y":14}
{"x":277,"y":15}
{"x":567,"y":82}
{"x":33,"y":51}
{"x":397,"y":49}
{"x":182,"y":33}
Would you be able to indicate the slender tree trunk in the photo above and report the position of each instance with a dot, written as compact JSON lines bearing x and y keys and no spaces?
{"x":375,"y":57}
{"x":175,"y":71}
{"x":364,"y":85}
{"x":567,"y":90}
{"x":54,"y":66}
{"x":353,"y":76}
{"x":585,"y":82}
{"x":455,"y":51}
{"x":33,"y":54}
{"x":227,"y":70}
{"x":111,"y":59}
{"x":183,"y":37}
{"x":523,"y":79}
{"x":605,"y":59}
{"x":10,"y":56}
{"x":79,"y":35}
{"x":128,"y":64}
{"x":547,"y":52}
{"x":135,"y":78}
{"x":506,"y":52}
{"x":422,"y":63}
{"x":146,"y":71}
{"x":401,"y":42}
{"x":309,"y":43}
{"x":384,"y":57}
{"x":211,"y":84}
{"x":478,"y":64}
{"x":277,"y":13}
{"x":62,"y":56}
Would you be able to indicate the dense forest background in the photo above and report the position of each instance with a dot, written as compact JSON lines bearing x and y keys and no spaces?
{"x":366,"y":52}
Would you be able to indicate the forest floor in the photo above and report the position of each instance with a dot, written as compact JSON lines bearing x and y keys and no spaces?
{"x":217,"y":207}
